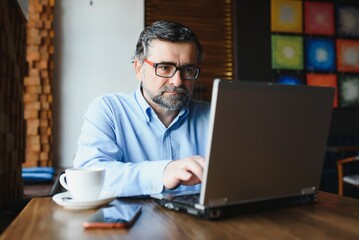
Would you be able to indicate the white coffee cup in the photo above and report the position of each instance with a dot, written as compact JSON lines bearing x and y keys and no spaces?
{"x":84,"y":184}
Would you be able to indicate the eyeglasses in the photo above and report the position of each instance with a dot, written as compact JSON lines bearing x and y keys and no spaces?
{"x":168,"y":70}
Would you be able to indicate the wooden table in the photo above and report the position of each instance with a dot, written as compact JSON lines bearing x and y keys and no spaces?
{"x":333,"y":217}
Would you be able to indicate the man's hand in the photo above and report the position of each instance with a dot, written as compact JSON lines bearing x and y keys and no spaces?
{"x":186,"y":171}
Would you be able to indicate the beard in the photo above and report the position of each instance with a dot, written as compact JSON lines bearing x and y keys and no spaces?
{"x":172,"y":102}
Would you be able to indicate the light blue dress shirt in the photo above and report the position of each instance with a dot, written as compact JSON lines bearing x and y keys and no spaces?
{"x":123,"y":134}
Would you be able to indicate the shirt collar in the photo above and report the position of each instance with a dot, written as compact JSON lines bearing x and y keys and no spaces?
{"x":146,"y":108}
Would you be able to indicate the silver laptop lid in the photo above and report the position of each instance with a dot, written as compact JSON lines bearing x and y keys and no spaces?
{"x":266,"y":141}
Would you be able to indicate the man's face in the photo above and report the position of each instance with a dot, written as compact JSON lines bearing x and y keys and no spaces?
{"x":168,"y":93}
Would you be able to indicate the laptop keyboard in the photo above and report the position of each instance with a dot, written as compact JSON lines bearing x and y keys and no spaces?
{"x":192,"y":198}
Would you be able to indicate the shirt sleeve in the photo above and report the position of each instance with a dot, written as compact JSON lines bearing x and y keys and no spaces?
{"x":97,"y":147}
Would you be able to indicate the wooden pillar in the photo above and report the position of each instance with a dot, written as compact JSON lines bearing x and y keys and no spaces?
{"x":38,"y":93}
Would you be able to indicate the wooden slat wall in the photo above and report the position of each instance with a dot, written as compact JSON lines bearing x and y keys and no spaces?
{"x":12,"y":125}
{"x":38,"y":94}
{"x":212,"y":21}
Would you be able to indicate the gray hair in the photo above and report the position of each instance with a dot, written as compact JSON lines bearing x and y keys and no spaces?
{"x":166,"y":31}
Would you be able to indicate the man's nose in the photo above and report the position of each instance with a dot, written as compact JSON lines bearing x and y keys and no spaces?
{"x":176,"y":80}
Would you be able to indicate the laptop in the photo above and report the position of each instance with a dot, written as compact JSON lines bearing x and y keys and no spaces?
{"x":265,"y":149}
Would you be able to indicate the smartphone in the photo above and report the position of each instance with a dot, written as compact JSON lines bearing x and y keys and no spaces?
{"x":117,"y":215}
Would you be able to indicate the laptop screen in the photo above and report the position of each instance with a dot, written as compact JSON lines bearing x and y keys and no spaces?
{"x":266,"y":141}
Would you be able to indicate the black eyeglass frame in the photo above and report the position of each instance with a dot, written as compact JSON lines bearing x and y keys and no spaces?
{"x":154,"y":65}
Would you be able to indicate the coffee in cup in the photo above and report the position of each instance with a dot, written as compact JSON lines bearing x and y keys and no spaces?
{"x":84,"y":184}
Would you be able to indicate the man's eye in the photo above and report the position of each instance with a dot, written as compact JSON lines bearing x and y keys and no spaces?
{"x":190,"y":70}
{"x":165,"y":68}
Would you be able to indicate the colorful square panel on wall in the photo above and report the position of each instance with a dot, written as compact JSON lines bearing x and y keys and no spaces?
{"x":349,"y":91}
{"x":319,"y":18}
{"x":324,"y":80}
{"x":320,"y":54}
{"x":289,"y":79}
{"x":286,"y":16}
{"x":287,"y":52}
{"x":347,"y":21}
{"x":348,"y":55}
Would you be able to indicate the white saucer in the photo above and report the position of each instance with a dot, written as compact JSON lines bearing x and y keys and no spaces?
{"x":65,"y":199}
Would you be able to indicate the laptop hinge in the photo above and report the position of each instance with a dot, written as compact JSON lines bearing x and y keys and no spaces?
{"x":218,"y":201}
{"x":308,"y":190}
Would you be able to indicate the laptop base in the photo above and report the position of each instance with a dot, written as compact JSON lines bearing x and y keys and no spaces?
{"x":216,"y":213}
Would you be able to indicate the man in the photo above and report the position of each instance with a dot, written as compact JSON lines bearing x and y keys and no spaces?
{"x":153,"y":140}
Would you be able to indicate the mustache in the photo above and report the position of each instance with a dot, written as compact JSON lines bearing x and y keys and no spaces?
{"x":180,"y":90}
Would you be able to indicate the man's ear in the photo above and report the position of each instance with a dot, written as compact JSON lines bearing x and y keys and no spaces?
{"x":138,"y":69}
